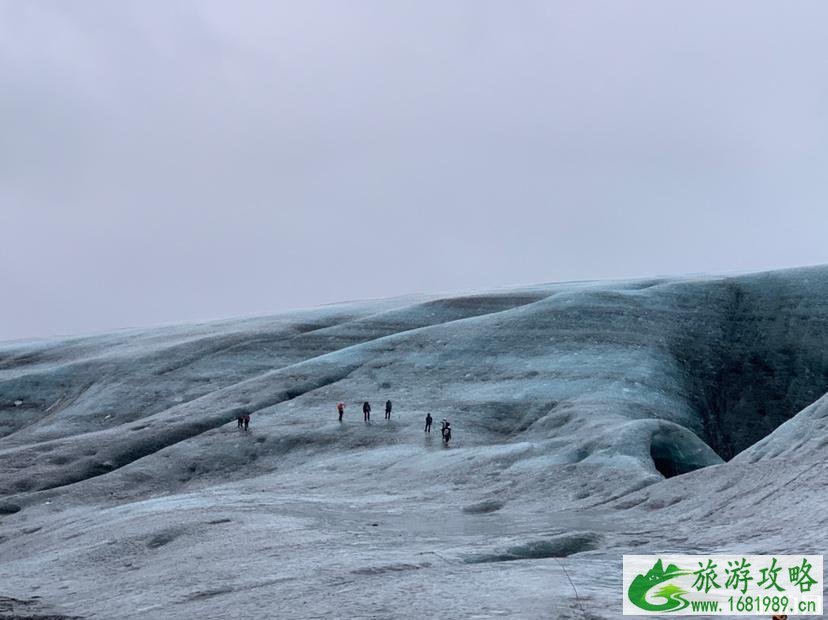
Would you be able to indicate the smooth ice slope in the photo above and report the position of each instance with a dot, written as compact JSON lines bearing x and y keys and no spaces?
{"x":591,"y":419}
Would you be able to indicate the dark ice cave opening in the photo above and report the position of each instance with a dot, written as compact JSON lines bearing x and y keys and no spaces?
{"x":678,"y":451}
{"x":666,"y":463}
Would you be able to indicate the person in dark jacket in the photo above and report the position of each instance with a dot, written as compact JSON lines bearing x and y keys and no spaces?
{"x":340,"y":408}
{"x":246,"y":421}
{"x":428,"y":423}
{"x":445,"y":431}
{"x":240,"y":422}
{"x":366,"y":411}
{"x":387,"y":409}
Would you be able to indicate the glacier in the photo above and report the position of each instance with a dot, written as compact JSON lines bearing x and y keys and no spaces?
{"x":590,"y":419}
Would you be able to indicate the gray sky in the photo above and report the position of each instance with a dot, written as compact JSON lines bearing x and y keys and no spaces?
{"x":166,"y":161}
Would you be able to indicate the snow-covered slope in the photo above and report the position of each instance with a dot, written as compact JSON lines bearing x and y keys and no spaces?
{"x":590,"y":419}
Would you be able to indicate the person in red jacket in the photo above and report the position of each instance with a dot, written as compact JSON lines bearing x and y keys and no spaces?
{"x":340,"y":408}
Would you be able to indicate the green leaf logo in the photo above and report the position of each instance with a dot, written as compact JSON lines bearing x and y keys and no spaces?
{"x":657,"y":575}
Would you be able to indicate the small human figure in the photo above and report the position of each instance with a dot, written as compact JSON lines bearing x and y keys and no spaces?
{"x":240,"y":422}
{"x":387,"y":409}
{"x":246,"y":421}
{"x":366,"y":411}
{"x":428,"y":423}
{"x":445,"y":431}
{"x":340,"y":408}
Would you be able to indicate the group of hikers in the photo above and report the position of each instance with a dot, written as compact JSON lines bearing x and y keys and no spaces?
{"x":243,"y":421}
{"x":445,"y":427}
{"x":366,"y":410}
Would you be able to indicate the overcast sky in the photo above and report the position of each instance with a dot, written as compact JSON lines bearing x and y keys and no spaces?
{"x":169,"y":161}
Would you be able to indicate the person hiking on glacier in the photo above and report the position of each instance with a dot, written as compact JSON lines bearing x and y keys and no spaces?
{"x":366,"y":411}
{"x":428,"y":423}
{"x":387,"y":409}
{"x":340,"y":408}
{"x":445,"y":431}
